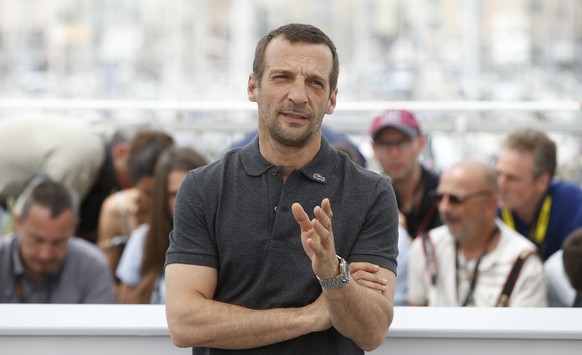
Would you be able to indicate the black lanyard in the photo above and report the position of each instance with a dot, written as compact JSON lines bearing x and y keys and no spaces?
{"x":469,"y":296}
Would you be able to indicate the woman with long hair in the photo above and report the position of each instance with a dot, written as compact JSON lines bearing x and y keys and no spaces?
{"x":141,"y":267}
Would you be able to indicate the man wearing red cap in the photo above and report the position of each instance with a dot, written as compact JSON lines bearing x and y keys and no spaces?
{"x":398,"y":141}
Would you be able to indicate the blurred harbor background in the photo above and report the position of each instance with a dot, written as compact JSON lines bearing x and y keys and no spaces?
{"x":190,"y":60}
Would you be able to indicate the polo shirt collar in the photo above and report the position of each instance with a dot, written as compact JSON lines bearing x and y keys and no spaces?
{"x":319,"y":169}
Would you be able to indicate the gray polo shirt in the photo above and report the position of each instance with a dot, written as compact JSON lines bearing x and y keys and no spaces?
{"x":235,"y":215}
{"x":83,"y":278}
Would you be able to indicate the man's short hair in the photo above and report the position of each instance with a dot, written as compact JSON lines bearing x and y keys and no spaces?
{"x":49,"y":194}
{"x":542,"y":148}
{"x":296,"y":33}
{"x":572,"y":258}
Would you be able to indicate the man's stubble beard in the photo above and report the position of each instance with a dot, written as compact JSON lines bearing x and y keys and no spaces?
{"x":282,"y":136}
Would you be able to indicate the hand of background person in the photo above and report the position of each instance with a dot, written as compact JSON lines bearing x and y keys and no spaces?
{"x":317,"y":238}
{"x":366,"y":274}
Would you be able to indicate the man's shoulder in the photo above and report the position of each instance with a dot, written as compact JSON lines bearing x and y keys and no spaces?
{"x":439,"y":238}
{"x":440,"y":234}
{"x":561,"y":189}
{"x":5,"y":249}
{"x":82,"y":250}
{"x":5,"y":241}
{"x":231,"y":159}
{"x":513,"y":243}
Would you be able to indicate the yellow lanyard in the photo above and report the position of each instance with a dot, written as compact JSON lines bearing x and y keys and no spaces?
{"x":539,"y":233}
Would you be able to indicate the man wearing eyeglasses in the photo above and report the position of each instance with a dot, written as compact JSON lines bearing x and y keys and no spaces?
{"x":474,"y":259}
{"x":397,"y":141}
{"x":531,"y":200}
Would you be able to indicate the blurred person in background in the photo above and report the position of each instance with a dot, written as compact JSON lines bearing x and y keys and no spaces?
{"x":572,"y":261}
{"x":531,"y":200}
{"x":41,"y":262}
{"x":561,"y":293}
{"x":141,"y":268}
{"x":90,"y":159}
{"x":398,"y":142}
{"x":473,"y":260}
{"x":125,"y":210}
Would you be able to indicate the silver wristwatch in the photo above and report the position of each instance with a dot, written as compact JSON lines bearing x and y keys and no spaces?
{"x":340,"y":280}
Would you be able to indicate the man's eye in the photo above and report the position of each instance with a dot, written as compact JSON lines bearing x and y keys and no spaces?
{"x":317,"y":83}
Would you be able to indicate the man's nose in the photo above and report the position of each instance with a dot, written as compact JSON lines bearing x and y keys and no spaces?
{"x":298,"y":92}
{"x":47,"y":252}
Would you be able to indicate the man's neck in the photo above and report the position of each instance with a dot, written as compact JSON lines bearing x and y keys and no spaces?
{"x":528,"y":212}
{"x":407,"y":189}
{"x":484,"y":243}
{"x":36,"y":277}
{"x":290,"y":158}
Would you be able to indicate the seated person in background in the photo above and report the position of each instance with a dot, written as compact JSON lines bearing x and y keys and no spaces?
{"x":140,"y":270}
{"x":468,"y":261}
{"x":573,"y":263}
{"x":123,"y":211}
{"x":398,"y":142}
{"x":42,"y":263}
{"x":401,"y":289}
{"x":531,"y":200}
{"x":560,"y":291}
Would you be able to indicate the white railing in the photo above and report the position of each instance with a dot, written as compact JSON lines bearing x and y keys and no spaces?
{"x":142,"y":329}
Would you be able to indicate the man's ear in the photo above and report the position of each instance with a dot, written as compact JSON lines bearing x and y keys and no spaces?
{"x":421,"y":143}
{"x":17,"y":220}
{"x":252,"y":88}
{"x":543,"y":182}
{"x":331,"y":102}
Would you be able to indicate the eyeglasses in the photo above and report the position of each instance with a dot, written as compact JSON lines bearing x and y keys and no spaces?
{"x":398,"y":144}
{"x":457,"y":199}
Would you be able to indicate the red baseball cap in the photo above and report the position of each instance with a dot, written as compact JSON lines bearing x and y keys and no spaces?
{"x":400,"y":119}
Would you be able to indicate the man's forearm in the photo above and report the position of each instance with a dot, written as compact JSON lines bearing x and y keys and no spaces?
{"x":215,"y":324}
{"x":360,"y":313}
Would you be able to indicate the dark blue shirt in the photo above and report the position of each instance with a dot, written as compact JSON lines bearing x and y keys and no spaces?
{"x":565,"y":216}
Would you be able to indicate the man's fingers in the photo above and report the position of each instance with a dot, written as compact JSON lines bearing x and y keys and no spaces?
{"x":322,"y":217}
{"x":301,"y":217}
{"x":364,"y":266}
{"x":326,"y":206}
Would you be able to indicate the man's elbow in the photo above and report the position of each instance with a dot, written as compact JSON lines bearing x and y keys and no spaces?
{"x":374,"y":341}
{"x":179,"y":341}
{"x":180,"y":337}
{"x":377,"y":336}
{"x":184,"y":334}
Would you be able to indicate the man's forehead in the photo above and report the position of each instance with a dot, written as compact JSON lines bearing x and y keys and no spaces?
{"x":281,"y":52}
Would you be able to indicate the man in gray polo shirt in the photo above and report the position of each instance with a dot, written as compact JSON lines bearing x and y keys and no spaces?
{"x":252,"y":262}
{"x":42,"y":263}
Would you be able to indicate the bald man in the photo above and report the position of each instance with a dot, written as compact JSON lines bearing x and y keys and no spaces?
{"x":467,"y":261}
